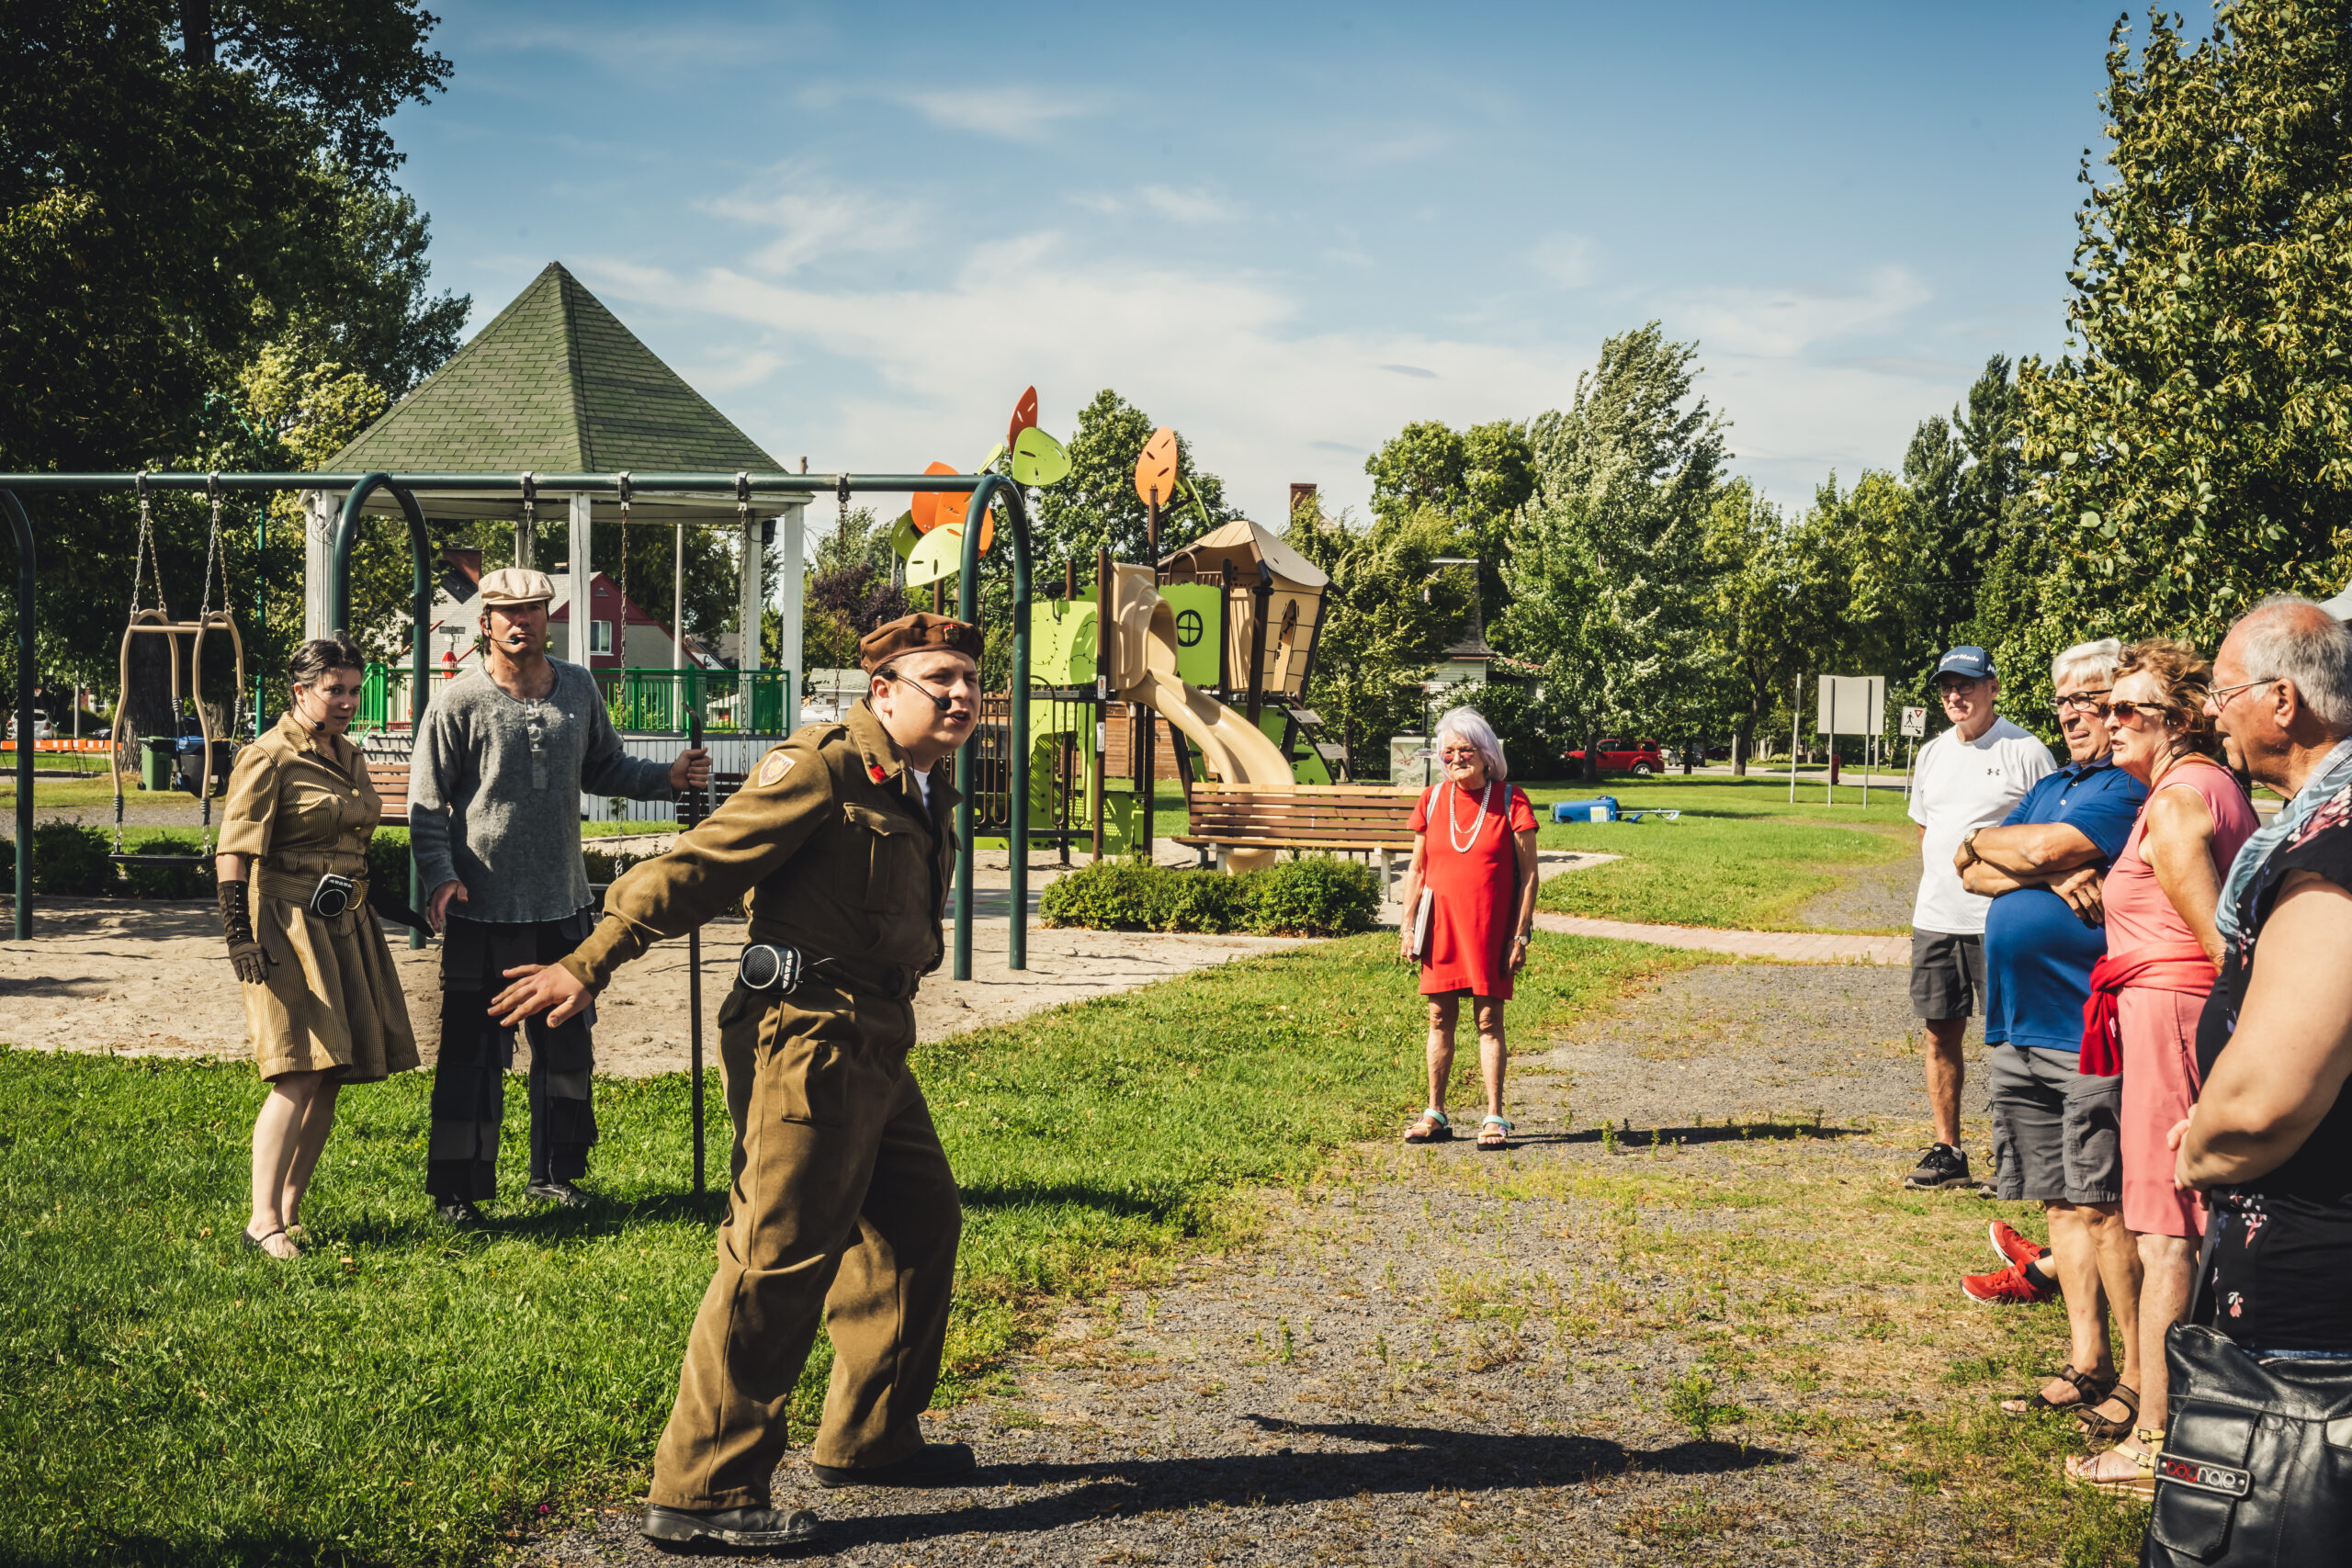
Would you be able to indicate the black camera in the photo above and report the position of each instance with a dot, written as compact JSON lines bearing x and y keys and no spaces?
{"x":331,"y":897}
{"x":765,"y":969}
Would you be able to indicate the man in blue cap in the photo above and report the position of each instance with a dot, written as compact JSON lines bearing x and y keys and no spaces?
{"x":1966,"y":779}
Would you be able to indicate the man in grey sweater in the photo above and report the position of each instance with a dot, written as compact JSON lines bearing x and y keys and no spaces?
{"x":494,"y":786}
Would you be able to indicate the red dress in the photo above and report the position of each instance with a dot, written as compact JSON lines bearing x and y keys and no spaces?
{"x":1473,"y":914}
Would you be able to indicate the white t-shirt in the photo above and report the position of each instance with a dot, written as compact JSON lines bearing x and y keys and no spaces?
{"x":1959,"y":785}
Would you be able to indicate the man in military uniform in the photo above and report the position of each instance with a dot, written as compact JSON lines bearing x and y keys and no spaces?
{"x":842,"y":1202}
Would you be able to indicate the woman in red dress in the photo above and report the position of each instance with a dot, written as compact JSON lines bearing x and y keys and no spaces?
{"x":1474,"y":866}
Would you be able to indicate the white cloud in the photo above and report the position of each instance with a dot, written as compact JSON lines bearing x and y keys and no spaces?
{"x":815,"y":220}
{"x":1016,"y":113}
{"x":1186,"y":205}
{"x":1782,"y":322}
{"x":1565,"y":260}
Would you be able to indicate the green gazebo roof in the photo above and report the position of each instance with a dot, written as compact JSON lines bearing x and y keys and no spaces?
{"x":556,"y":384}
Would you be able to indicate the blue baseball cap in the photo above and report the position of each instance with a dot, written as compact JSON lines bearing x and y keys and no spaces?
{"x":1968,"y":661}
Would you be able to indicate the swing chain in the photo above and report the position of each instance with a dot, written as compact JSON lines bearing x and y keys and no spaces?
{"x":144,"y":547}
{"x":623,"y":648}
{"x":530,"y":517}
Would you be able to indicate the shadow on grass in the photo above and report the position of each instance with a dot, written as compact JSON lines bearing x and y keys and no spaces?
{"x":1637,"y":1138}
{"x":538,"y":1222}
{"x":1410,"y":1460}
{"x":1128,"y":1204}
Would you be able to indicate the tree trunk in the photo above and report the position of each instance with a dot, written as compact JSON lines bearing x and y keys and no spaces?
{"x":1592,"y":760}
{"x":1689,"y":750}
{"x":148,"y":702}
{"x":1739,"y":748}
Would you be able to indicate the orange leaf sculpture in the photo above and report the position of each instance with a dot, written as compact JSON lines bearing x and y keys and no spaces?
{"x":927,"y":502}
{"x":1156,"y":469}
{"x":1025,"y":414}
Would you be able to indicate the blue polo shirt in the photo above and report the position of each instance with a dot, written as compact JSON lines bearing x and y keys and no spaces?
{"x":2038,"y":953}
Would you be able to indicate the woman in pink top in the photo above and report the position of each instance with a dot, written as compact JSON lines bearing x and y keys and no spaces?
{"x":2163,"y":954}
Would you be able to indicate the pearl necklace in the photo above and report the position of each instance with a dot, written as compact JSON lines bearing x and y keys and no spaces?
{"x":1477,"y":822}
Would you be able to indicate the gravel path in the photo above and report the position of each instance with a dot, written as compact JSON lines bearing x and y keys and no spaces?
{"x":1871,"y":898}
{"x":1439,"y":1356}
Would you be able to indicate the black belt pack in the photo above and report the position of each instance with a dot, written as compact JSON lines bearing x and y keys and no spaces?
{"x":778,"y":969}
{"x":769,"y":966}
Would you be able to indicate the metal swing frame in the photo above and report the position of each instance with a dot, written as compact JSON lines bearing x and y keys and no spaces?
{"x":986,"y":490}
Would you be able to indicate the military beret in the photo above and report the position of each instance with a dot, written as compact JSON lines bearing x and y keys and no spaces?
{"x":913,"y":634}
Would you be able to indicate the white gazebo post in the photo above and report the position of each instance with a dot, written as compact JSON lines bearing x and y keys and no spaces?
{"x":582,"y":648}
{"x":319,"y":509}
{"x":791,"y":524}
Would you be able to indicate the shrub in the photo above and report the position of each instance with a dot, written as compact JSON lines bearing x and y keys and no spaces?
{"x":1319,"y":896}
{"x":1315,"y":895}
{"x":166,"y":881}
{"x":1114,"y":896}
{"x":388,"y":861}
{"x":69,"y":860}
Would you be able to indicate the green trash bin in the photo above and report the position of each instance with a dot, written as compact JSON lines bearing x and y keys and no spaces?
{"x":158,"y":754}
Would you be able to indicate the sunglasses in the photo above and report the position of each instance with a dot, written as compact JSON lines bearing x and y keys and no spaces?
{"x":2134,"y":712}
{"x":1452,"y":756}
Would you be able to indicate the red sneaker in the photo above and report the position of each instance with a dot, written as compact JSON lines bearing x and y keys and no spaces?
{"x":2008,"y":1287}
{"x":2013,"y":1247}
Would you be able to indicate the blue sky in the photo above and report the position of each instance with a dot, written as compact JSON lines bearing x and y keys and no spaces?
{"x":1285,"y":229}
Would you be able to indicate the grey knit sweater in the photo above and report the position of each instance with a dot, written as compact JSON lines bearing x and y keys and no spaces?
{"x":494,"y":786}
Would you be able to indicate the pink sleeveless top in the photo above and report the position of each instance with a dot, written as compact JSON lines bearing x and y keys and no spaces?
{"x":2138,"y":913}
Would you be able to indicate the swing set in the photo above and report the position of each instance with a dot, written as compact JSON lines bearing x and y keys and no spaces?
{"x":984,"y":492}
{"x":157,"y":621}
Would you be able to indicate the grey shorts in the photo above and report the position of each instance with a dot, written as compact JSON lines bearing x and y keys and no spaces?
{"x":2057,"y":1136}
{"x":1947,"y":974}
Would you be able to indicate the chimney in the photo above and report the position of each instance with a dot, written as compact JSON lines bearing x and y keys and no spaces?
{"x":1298,"y":493}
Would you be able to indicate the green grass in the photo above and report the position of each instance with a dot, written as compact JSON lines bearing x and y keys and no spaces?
{"x":403,"y":1394}
{"x":1740,"y":857}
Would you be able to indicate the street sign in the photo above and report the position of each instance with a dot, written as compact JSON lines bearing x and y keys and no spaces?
{"x":1914,"y":722}
{"x":1852,"y":704}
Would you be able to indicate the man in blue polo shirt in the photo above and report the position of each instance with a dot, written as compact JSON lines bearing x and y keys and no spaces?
{"x":2054,"y":1131}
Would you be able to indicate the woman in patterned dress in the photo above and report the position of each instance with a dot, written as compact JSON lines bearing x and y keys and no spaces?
{"x":322,"y":1001}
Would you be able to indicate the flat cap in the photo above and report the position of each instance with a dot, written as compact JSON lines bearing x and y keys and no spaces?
{"x":516,"y":585}
{"x":913,"y":634}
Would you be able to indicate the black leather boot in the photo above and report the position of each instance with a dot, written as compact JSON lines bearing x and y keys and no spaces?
{"x":934,"y":1464}
{"x":766,"y":1528}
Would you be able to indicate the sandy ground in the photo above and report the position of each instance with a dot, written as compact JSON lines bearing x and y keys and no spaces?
{"x":150,"y":976}
{"x":1406,"y":1367}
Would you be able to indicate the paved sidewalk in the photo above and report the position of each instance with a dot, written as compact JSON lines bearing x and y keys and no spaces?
{"x":1789,"y":947}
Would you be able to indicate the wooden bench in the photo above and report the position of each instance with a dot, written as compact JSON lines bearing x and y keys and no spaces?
{"x":390,"y":780}
{"x":1365,"y":819}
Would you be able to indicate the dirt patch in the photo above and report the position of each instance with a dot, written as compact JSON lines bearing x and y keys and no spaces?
{"x":1867,"y":898}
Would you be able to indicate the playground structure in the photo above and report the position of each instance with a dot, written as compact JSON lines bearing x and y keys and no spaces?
{"x":984,"y":492}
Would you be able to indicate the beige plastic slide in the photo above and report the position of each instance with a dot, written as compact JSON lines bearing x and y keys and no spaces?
{"x":1143,"y":670}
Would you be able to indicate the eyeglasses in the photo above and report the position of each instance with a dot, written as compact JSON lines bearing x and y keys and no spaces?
{"x":2079,"y":701}
{"x":2222,"y":695}
{"x":1451,"y":755}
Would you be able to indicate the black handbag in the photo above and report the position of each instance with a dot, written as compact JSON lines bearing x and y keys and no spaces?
{"x":2256,"y":1466}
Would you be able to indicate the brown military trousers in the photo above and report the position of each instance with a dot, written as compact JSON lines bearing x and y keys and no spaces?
{"x":843,"y":1205}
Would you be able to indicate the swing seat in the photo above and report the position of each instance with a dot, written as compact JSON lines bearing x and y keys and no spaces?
{"x":132,"y":857}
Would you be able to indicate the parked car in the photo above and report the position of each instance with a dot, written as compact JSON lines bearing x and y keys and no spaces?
{"x":1639,"y":758}
{"x":43,"y":729}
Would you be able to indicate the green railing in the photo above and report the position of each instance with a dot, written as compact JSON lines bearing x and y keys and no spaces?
{"x":755,"y":702}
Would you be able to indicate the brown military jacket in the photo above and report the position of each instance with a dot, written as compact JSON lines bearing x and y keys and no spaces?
{"x":301,"y":803}
{"x":830,"y":842}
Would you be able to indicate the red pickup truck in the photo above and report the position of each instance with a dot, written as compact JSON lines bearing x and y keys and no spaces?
{"x":1640,"y":757}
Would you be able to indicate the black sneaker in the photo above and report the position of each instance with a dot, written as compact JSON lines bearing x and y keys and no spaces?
{"x":766,"y":1528}
{"x":1940,"y":1165}
{"x":934,"y":1464}
{"x":563,"y":1195}
{"x":457,"y":1212}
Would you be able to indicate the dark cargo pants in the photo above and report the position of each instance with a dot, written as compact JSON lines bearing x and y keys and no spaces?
{"x":841,"y":1206}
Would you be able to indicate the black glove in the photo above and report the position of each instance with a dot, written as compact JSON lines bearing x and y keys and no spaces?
{"x":246,"y":956}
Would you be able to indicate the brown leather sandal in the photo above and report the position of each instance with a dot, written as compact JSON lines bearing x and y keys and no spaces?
{"x":2089,"y":1388}
{"x":2101,"y":1432}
